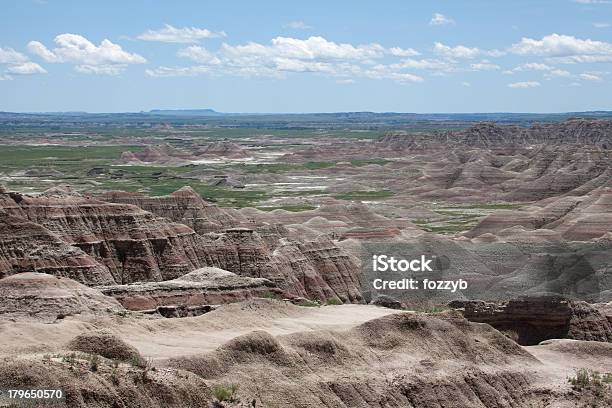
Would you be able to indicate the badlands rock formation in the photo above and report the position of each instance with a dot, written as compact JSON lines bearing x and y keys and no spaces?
{"x":134,"y":245}
{"x":223,"y":148}
{"x":44,"y":297}
{"x":575,"y":218}
{"x":582,"y":132}
{"x":206,"y":286}
{"x":386,"y":362}
{"x":184,"y":206}
{"x":532,"y":320}
{"x":100,"y":242}
{"x":29,"y":247}
{"x":169,"y":155}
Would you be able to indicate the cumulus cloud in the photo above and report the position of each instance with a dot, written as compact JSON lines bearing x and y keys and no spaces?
{"x":460,"y":51}
{"x":27,"y":68}
{"x":524,"y":85}
{"x":565,"y":49}
{"x":485,"y":66}
{"x":441,"y":19}
{"x":403,"y":52}
{"x":297,"y":25}
{"x":319,"y":47}
{"x":590,"y":77}
{"x":550,"y":72}
{"x":601,"y":25}
{"x":176,"y":71}
{"x":18,"y":64}
{"x":285,"y":55}
{"x":107,"y":58}
{"x":10,"y":56}
{"x":199,"y":54}
{"x":388,"y":72}
{"x":533,"y":66}
{"x":185,"y":35}
{"x":424,"y":64}
{"x":559,"y":73}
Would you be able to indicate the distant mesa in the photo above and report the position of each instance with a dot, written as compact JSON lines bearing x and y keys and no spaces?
{"x":186,"y":112}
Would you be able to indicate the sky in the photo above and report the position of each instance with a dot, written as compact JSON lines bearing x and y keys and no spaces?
{"x":306,"y":56}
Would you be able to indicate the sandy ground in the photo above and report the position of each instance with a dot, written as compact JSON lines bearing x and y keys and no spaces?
{"x":165,"y":338}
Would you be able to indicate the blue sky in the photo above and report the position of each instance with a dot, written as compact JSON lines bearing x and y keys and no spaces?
{"x":311,"y":56}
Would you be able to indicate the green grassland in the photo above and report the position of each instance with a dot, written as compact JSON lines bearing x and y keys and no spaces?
{"x":73,"y":165}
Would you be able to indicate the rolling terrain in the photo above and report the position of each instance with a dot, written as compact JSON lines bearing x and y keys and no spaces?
{"x":192,"y":263}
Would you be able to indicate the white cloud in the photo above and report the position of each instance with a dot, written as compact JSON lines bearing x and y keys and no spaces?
{"x":590,"y":77}
{"x":345,"y":81}
{"x":563,"y":46}
{"x":601,"y":25}
{"x":100,"y":69}
{"x":485,"y":66}
{"x":199,"y":54}
{"x":403,"y":52}
{"x":425,"y":64}
{"x":319,"y":47}
{"x":297,"y":65}
{"x":524,"y":85}
{"x":495,"y":53}
{"x":593,"y":1}
{"x":27,"y":68}
{"x":559,"y":73}
{"x":176,"y":71}
{"x":185,"y":35}
{"x":533,"y":66}
{"x":466,"y":84}
{"x":385,"y":72}
{"x":460,"y":51}
{"x":10,"y":56}
{"x":18,"y":64}
{"x":285,"y":55}
{"x":441,"y":19}
{"x":107,"y":58}
{"x":549,"y":71}
{"x":297,"y":25}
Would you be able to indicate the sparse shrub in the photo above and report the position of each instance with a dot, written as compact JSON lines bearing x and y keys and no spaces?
{"x":226,"y":393}
{"x":308,"y":303}
{"x":146,"y":365}
{"x":588,"y":378}
{"x":70,"y":358}
{"x":94,"y":360}
{"x":334,"y":302}
{"x":429,"y":309}
{"x":270,"y":295}
{"x":115,"y":376}
{"x":137,"y":361}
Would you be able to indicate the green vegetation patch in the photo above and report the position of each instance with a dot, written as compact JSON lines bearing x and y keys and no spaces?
{"x":292,"y":208}
{"x":365,"y":195}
